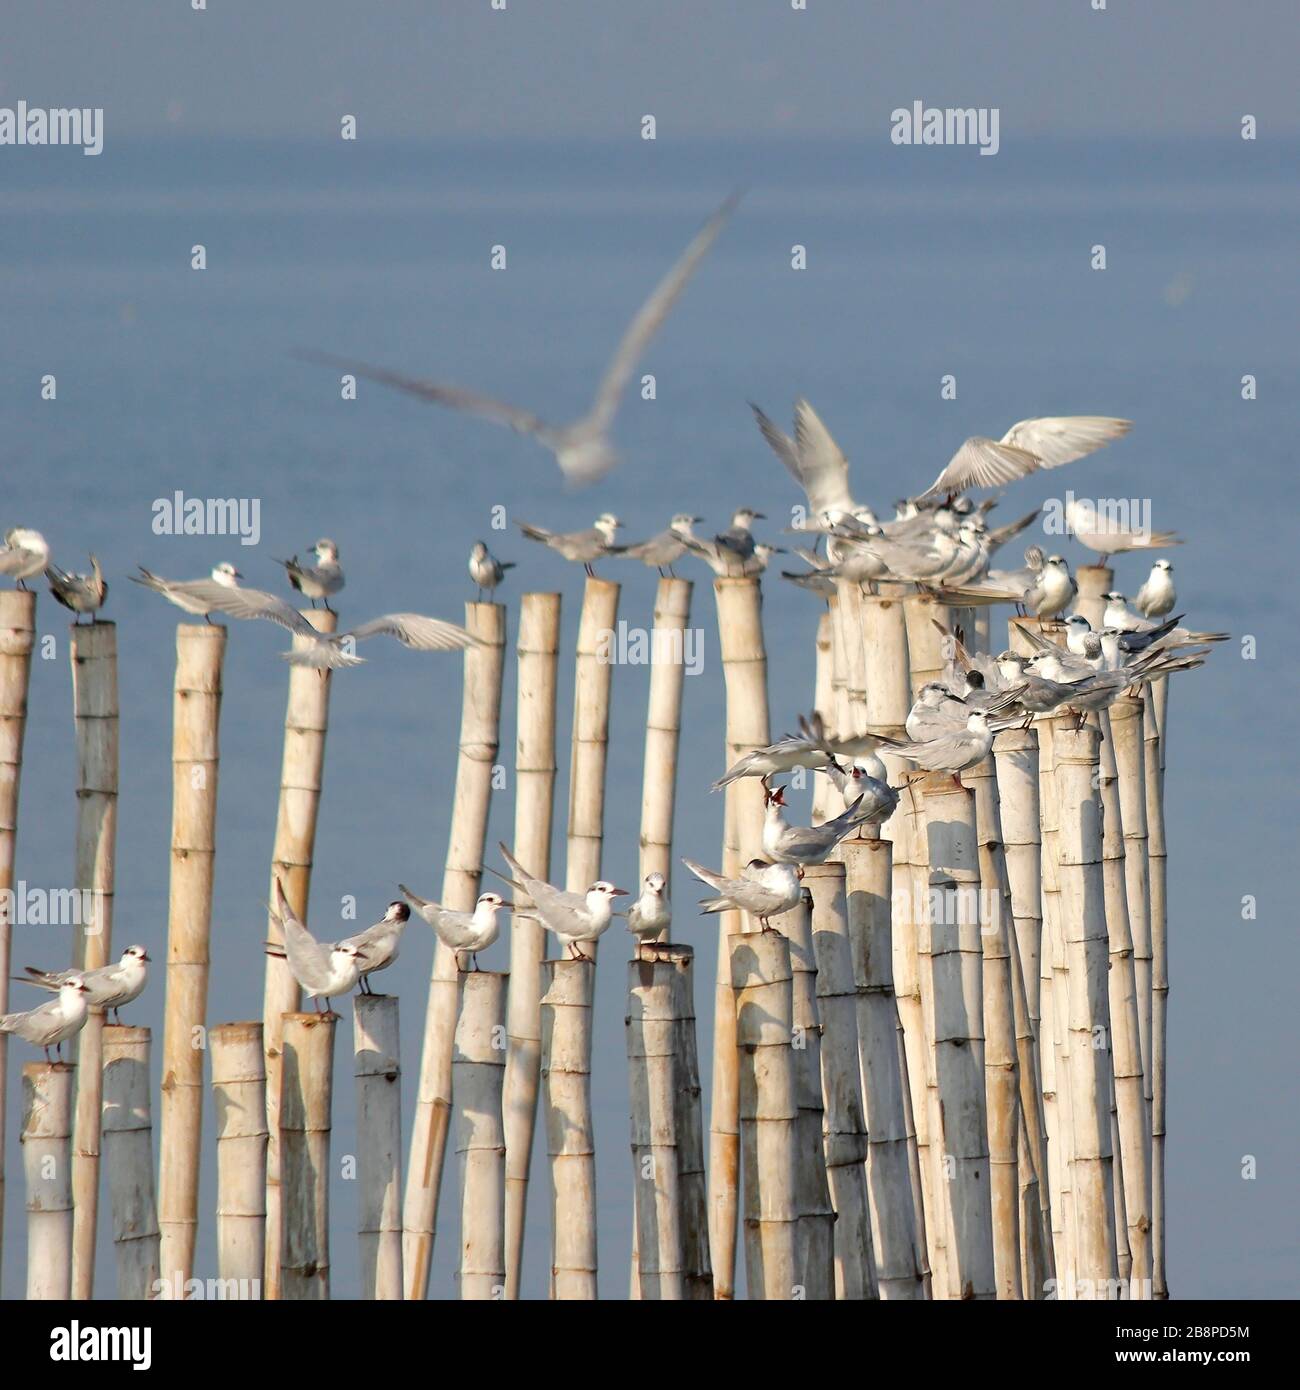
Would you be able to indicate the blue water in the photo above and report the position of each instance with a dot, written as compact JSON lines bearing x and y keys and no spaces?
{"x":921,"y":263}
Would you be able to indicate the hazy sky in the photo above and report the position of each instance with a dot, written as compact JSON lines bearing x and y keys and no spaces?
{"x":592,"y":67}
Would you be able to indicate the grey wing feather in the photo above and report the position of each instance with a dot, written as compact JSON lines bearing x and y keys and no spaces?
{"x":416,"y":631}
{"x":249,"y":603}
{"x":1058,"y":439}
{"x":982,"y":462}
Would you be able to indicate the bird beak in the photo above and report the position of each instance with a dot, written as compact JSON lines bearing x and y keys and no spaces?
{"x":619,"y":893}
{"x":361,"y":955}
{"x":696,"y":520}
{"x":760,"y":516}
{"x":510,"y":907}
{"x":239,"y":574}
{"x":146,"y":956}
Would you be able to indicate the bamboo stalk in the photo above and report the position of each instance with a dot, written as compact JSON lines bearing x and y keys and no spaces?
{"x":538,"y":654}
{"x":590,"y":745}
{"x":924,"y":643}
{"x":93,"y":653}
{"x":824,"y":799}
{"x":1155,"y":723}
{"x":377,"y":1047}
{"x":200,"y":650}
{"x":478,"y":1067}
{"x":760,"y":965}
{"x":850,"y":604}
{"x":128,"y":1157}
{"x":479,"y":736}
{"x":697,"y":1275}
{"x":306,"y":1099}
{"x":840,"y":711}
{"x":47,"y":1164}
{"x":302,"y":772}
{"x":239,"y":1093}
{"x":663,"y":726}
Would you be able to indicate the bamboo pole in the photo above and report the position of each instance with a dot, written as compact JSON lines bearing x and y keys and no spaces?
{"x":697,"y":1275}
{"x":128,"y":1158}
{"x":538,"y":656}
{"x":590,"y":745}
{"x":47,"y":1164}
{"x":760,"y":965}
{"x":17,"y":633}
{"x":239,"y":1093}
{"x":306,"y":1100}
{"x":1155,"y":723}
{"x":840,"y":712}
{"x":478,"y":1067}
{"x":92,"y":650}
{"x":924,"y":642}
{"x":663,"y":726}
{"x":824,"y":799}
{"x":479,"y":735}
{"x":302,"y":772}
{"x":744,"y":670}
{"x":200,"y":651}
{"x":376,"y":1048}
{"x":849,"y":594}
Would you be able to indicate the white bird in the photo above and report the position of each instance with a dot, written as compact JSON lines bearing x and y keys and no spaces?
{"x":764,"y":890}
{"x":108,"y":987}
{"x":738,"y":538}
{"x":470,"y":932}
{"x":662,"y":551}
{"x":320,"y":580}
{"x":935,"y":710}
{"x":812,"y":458}
{"x":758,"y":562}
{"x":379,"y":945}
{"x":24,"y":553}
{"x":485,"y":569}
{"x":582,"y":547}
{"x":197,"y":596}
{"x":1157,"y":595}
{"x":803,"y":844}
{"x":1109,"y":536}
{"x":572,"y":917}
{"x":322,"y":968}
{"x":582,"y":447}
{"x":80,"y":593}
{"x":50,"y":1024}
{"x":953,"y":751}
{"x":863,"y":788}
{"x":652,"y":913}
{"x":786,"y":754}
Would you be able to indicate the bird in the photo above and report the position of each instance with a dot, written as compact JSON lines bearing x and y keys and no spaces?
{"x":1157,"y":595}
{"x":380,"y":943}
{"x":1108,"y":536}
{"x":462,"y":931}
{"x":764,"y":890}
{"x":725,"y":560}
{"x":953,"y":751}
{"x":803,"y":844}
{"x":582,"y":547}
{"x":582,"y":447}
{"x":197,"y":596}
{"x":50,"y":1024}
{"x":81,"y":593}
{"x":320,"y":580}
{"x":935,"y":710}
{"x":24,"y":553}
{"x":652,"y":913}
{"x":662,"y":551}
{"x":108,"y":987}
{"x":322,"y":968}
{"x":738,"y":538}
{"x":485,"y":569}
{"x":865,"y":788}
{"x":572,"y":917}
{"x":758,"y":562}
{"x":786,"y":754}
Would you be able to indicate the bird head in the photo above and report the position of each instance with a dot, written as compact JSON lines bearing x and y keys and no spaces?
{"x":977,"y":722}
{"x":655,"y":883}
{"x":478,"y":550}
{"x":397,"y":912}
{"x":492,"y":900}
{"x":325,"y":549}
{"x":607,"y":524}
{"x":606,"y":890}
{"x":135,"y":953}
{"x":225,"y":573}
{"x":1165,"y":565}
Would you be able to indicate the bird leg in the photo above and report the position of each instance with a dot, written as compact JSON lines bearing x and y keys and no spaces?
{"x":473,"y":960}
{"x":591,"y":573}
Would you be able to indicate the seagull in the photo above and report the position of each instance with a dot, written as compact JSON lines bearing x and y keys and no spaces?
{"x":582,"y":547}
{"x":764,"y":890}
{"x":24,"y":553}
{"x":462,"y":931}
{"x":573,"y":917}
{"x":1108,"y":537}
{"x":953,"y":751}
{"x":108,"y":987}
{"x":48,"y":1025}
{"x":662,"y":551}
{"x":485,"y":569}
{"x":320,"y":580}
{"x":1157,"y":595}
{"x":652,"y":913}
{"x":803,"y":844}
{"x":322,"y":968}
{"x":582,"y":447}
{"x":197,"y":596}
{"x":82,"y":593}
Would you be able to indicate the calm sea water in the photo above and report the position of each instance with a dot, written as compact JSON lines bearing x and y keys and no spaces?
{"x":921,"y":263}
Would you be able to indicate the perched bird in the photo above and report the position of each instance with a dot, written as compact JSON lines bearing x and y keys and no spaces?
{"x":582,"y":447}
{"x":935,"y":710}
{"x":764,"y":890}
{"x":197,"y":596}
{"x":1157,"y":595}
{"x":322,"y":968}
{"x":320,"y":580}
{"x":1109,"y":536}
{"x":725,"y":559}
{"x":573,"y":917}
{"x":582,"y":547}
{"x":379,"y":945}
{"x":803,"y":844}
{"x":862,"y":787}
{"x":652,"y":913}
{"x":108,"y":987}
{"x":24,"y":553}
{"x":786,"y":754}
{"x":758,"y":562}
{"x":953,"y":751}
{"x":462,"y":931}
{"x":662,"y":551}
{"x":738,"y":538}
{"x":48,"y":1025}
{"x":82,"y":593}
{"x":485,"y":569}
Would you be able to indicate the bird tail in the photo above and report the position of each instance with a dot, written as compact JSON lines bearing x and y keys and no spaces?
{"x":508,"y":564}
{"x":323,"y":656}
{"x":148,"y":579}
{"x":534,"y":533}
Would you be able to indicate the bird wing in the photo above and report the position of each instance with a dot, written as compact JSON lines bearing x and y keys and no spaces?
{"x":248,"y":603}
{"x":983,"y":462}
{"x":1000,"y":535}
{"x":1058,"y":439}
{"x":780,"y":443}
{"x":416,"y":631}
{"x":545,"y":896}
{"x":718,"y":882}
{"x":822,"y":463}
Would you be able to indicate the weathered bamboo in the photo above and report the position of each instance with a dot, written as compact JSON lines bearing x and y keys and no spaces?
{"x":760,"y":966}
{"x":478,"y":1067}
{"x":302,"y":771}
{"x":93,"y":652}
{"x":538,"y":655}
{"x":479,"y":735}
{"x":663,"y":726}
{"x":200,"y":650}
{"x":128,"y":1158}
{"x":744,"y":670}
{"x":376,"y":1048}
{"x":849,"y":607}
{"x":590,"y":744}
{"x":692,"y":1183}
{"x":306,"y":1099}
{"x":839,"y":712}
{"x":815,"y":1235}
{"x":17,"y":632}
{"x":570,"y":1136}
{"x":925,"y":656}
{"x":1155,"y":723}
{"x":825,"y":802}
{"x":47,"y":1164}
{"x":239,"y":1093}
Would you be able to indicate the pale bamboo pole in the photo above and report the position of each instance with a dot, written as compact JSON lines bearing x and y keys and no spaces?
{"x":868,"y":881}
{"x":480,"y":723}
{"x":760,"y":964}
{"x":239,"y":1093}
{"x":692,"y":1183}
{"x":200,"y":651}
{"x":663,"y":726}
{"x":744,"y":670}
{"x":839,"y":712}
{"x":538,"y":657}
{"x":824,"y":799}
{"x":850,"y":607}
{"x":376,"y":1050}
{"x":47,"y":1163}
{"x":478,"y":1067}
{"x":92,"y":650}
{"x":957,"y":967}
{"x":1155,"y":723}
{"x":1075,"y":756}
{"x":815,"y":1235}
{"x":306,"y":1100}
{"x":17,"y":633}
{"x":128,"y":1158}
{"x":302,"y":772}
{"x":593,"y":673}
{"x":924,"y":640}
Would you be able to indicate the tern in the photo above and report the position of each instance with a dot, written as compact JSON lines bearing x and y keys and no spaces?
{"x":81,"y":593}
{"x":804,"y":844}
{"x":738,"y":538}
{"x":48,"y":1025}
{"x":652,"y":914}
{"x":469,"y":932}
{"x":865,"y":789}
{"x":953,"y":751}
{"x":379,"y":945}
{"x":786,"y":754}
{"x":935,"y":710}
{"x":108,"y":987}
{"x":582,"y":547}
{"x":24,"y":553}
{"x":662,"y":551}
{"x":582,"y":447}
{"x":320,"y":580}
{"x":322,"y":968}
{"x":764,"y":890}
{"x":1108,"y":537}
{"x":1157,"y":595}
{"x":197,"y":596}
{"x":485,"y":569}
{"x":572,"y":917}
